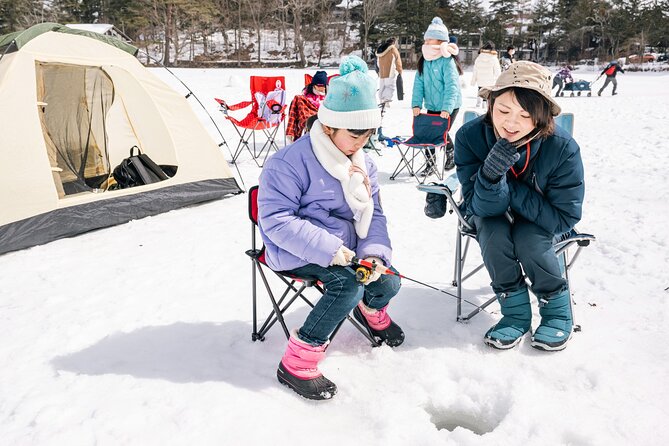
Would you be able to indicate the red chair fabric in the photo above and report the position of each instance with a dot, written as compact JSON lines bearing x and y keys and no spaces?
{"x":268,"y":111}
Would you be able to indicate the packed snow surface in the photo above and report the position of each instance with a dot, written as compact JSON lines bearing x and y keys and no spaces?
{"x":140,"y":334}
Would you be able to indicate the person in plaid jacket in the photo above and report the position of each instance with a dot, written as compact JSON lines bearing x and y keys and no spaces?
{"x":306,"y":105}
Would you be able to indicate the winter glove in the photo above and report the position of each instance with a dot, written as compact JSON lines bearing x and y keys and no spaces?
{"x":502,"y":156}
{"x":375,"y":275}
{"x":342,"y":257}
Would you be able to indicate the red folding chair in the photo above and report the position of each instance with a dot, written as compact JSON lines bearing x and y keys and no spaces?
{"x":294,"y":286}
{"x":268,"y":111}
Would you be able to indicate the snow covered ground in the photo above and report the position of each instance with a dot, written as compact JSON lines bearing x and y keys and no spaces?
{"x":140,"y":334}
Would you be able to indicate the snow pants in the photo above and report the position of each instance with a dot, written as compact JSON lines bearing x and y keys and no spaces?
{"x":557,"y":81}
{"x":507,"y":247}
{"x":387,"y":88}
{"x":612,"y":80}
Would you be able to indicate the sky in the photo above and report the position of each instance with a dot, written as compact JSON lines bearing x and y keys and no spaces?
{"x":140,"y":334}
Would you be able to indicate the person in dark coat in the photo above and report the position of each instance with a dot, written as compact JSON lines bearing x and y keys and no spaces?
{"x":610,"y":71}
{"x":522,"y":184}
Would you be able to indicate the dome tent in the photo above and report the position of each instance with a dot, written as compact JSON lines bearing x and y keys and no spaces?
{"x":72,"y":105}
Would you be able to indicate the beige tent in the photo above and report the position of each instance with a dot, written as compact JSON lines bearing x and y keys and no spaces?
{"x":72,"y":105}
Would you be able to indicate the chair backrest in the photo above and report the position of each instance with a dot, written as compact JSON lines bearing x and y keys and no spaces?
{"x":253,"y":204}
{"x":269,"y":97}
{"x":564,"y":120}
{"x":429,"y":130}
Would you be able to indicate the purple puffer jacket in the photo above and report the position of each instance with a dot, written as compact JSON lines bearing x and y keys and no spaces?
{"x":303,"y":216}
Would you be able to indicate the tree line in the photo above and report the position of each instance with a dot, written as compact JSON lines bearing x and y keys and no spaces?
{"x":305,"y":31}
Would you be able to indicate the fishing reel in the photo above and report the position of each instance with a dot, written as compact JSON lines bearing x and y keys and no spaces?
{"x":362,"y":273}
{"x":363,"y":269}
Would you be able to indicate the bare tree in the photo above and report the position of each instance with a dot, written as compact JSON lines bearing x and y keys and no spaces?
{"x":371,"y":10}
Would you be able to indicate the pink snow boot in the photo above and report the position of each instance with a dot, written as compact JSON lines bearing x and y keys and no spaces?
{"x":379,"y":324}
{"x":298,"y":370}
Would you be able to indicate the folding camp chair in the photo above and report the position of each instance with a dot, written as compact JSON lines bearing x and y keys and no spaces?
{"x":466,"y":232}
{"x":429,"y":132}
{"x":268,"y":111}
{"x":294,"y":286}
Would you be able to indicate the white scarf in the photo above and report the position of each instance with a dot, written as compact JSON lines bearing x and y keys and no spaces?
{"x":434,"y":52}
{"x":351,"y":173}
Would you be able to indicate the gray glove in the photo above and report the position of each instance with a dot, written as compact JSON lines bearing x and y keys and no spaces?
{"x":502,"y":156}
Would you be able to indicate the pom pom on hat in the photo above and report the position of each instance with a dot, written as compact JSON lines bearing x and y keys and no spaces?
{"x":351,"y":99}
{"x":436,"y":30}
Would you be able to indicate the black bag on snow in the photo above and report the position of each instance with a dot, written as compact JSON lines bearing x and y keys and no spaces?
{"x":137,"y":170}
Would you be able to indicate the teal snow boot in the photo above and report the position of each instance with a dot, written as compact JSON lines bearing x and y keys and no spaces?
{"x":556,"y":322}
{"x":517,"y":320}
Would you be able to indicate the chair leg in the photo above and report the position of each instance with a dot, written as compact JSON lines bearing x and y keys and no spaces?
{"x":275,"y":305}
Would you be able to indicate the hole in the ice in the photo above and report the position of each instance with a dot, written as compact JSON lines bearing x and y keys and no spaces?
{"x":448,"y":419}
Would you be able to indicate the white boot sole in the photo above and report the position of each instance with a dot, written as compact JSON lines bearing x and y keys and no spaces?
{"x":495,"y":343}
{"x":550,"y":348}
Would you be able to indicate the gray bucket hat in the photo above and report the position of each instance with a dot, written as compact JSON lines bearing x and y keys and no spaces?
{"x":524,"y":74}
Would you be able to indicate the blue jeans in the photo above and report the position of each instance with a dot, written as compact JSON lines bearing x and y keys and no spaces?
{"x":342,"y":294}
{"x":505,"y":247}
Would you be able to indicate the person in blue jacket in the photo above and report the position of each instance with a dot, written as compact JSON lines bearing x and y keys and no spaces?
{"x":436,"y":86}
{"x":318,"y":208}
{"x":522,"y":183}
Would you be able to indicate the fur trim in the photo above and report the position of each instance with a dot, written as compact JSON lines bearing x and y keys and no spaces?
{"x":354,"y":185}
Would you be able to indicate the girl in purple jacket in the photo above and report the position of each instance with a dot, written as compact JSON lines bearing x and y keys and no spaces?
{"x":318,"y":207}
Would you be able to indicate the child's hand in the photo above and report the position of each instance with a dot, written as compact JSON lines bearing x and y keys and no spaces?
{"x":444,"y":115}
{"x":342,"y":257}
{"x":416,"y":111}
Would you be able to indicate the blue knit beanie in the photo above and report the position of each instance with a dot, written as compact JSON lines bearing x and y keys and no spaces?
{"x":436,"y":30}
{"x":320,"y":78}
{"x":351,"y":99}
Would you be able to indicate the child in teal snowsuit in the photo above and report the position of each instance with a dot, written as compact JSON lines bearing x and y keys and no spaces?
{"x":437,"y":84}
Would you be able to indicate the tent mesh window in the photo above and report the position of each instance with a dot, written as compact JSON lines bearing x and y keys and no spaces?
{"x":73,"y":102}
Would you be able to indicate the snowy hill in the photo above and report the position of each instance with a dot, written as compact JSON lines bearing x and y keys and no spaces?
{"x":140,"y":334}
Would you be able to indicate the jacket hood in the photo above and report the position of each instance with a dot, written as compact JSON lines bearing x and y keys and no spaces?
{"x":383,"y":50}
{"x":491,"y":52}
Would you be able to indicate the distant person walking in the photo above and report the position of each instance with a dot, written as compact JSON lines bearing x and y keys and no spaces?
{"x":390,"y":66}
{"x":507,"y":58}
{"x":611,"y":70}
{"x":486,"y":70}
{"x":436,"y":85}
{"x":561,"y":78}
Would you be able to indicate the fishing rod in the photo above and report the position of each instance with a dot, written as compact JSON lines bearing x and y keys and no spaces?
{"x":365,"y":268}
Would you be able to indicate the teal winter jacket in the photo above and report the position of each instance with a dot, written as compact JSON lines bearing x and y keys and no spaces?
{"x":438,"y":87}
{"x":549,"y":195}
